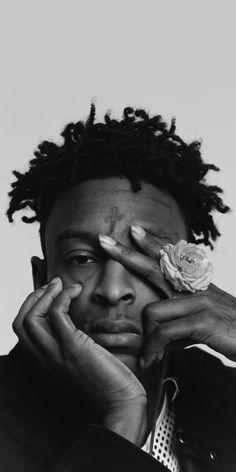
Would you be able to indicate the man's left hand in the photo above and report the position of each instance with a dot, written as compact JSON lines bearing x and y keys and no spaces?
{"x":179,"y":319}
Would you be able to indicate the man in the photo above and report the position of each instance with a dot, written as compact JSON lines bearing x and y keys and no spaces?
{"x":99,"y":378}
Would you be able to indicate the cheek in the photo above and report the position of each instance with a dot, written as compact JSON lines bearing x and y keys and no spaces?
{"x":148,"y":295}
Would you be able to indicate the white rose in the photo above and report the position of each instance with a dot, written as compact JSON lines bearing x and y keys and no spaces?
{"x":186,"y":266}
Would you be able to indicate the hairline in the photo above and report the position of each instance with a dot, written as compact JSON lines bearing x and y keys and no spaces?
{"x":66,"y":189}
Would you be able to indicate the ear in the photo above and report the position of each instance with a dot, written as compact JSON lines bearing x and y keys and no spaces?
{"x":39,"y":271}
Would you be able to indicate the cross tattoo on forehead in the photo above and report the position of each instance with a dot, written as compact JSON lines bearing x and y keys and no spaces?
{"x":113,"y":218}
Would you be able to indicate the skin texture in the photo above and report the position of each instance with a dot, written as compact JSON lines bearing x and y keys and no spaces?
{"x":100,"y":286}
{"x":109,"y":291}
{"x":113,"y":218}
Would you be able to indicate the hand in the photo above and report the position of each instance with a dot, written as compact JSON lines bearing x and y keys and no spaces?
{"x":180,"y":319}
{"x":47,"y":331}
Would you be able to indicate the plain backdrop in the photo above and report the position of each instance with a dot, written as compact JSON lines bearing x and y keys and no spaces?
{"x":172,"y":58}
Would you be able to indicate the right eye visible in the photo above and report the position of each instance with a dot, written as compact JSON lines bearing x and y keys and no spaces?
{"x":81,"y":260}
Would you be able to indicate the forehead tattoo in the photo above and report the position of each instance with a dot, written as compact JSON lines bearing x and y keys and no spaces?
{"x":113,"y":217}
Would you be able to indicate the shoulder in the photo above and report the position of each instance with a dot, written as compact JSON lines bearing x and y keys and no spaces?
{"x":194,"y":364}
{"x":205,"y":406}
{"x":207,"y":393}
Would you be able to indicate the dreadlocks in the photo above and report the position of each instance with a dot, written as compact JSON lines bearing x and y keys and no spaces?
{"x":139,"y":148}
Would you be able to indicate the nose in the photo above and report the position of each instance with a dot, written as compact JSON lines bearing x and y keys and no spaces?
{"x":114,"y":285}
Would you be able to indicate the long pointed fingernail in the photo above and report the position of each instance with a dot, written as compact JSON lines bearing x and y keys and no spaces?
{"x":138,"y":232}
{"x":106,"y":240}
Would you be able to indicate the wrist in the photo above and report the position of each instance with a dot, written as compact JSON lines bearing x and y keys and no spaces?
{"x":129,"y":421}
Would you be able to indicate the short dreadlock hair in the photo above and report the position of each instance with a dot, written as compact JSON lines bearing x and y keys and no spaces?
{"x":139,"y":148}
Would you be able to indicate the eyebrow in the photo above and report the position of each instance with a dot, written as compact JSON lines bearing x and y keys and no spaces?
{"x":75,"y":234}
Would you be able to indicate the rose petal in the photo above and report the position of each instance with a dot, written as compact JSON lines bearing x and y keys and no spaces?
{"x":186,"y":266}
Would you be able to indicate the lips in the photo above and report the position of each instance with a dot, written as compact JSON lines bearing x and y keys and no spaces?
{"x":119,"y":334}
{"x":114,"y":327}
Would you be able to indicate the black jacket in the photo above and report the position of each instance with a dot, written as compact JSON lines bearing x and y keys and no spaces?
{"x":43,"y":428}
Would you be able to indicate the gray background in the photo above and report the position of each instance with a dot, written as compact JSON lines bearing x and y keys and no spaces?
{"x":172,"y":58}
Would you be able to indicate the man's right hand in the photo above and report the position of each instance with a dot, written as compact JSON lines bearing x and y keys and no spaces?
{"x":47,"y":331}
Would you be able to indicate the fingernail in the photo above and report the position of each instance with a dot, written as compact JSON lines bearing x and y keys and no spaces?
{"x":54,"y":281}
{"x":78,"y":286}
{"x":138,"y":232}
{"x":106,"y":241}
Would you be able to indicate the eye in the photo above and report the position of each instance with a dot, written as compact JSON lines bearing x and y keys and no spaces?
{"x":81,"y":260}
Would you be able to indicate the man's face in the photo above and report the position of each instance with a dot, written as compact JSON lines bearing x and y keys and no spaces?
{"x":111,"y":293}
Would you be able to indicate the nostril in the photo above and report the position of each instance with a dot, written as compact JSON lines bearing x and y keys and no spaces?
{"x":113,"y":298}
{"x":127,"y":297}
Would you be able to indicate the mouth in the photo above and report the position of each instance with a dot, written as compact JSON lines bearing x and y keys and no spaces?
{"x":114,"y":327}
{"x":117,"y":334}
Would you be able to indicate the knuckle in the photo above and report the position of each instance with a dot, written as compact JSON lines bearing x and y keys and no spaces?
{"x":16,"y":326}
{"x":162,"y":329}
{"x":28,"y":322}
{"x":35,"y":296}
{"x":207,"y":301}
{"x":39,"y":291}
{"x":125,"y":251}
{"x":198,"y":326}
{"x":29,"y":301}
{"x":162,"y":334}
{"x":53,"y":296}
{"x":151,"y":242}
{"x":150,"y":310}
{"x":55,"y":312}
{"x":202,"y":326}
{"x":30,"y":297}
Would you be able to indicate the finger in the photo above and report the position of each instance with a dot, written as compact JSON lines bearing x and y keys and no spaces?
{"x":34,"y":329}
{"x":26,"y":307}
{"x":41,"y":307}
{"x":148,"y":243}
{"x":24,"y":339}
{"x":176,"y":307}
{"x":187,"y":330}
{"x":33,"y":299}
{"x":147,"y":267}
{"x":61,"y":322}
